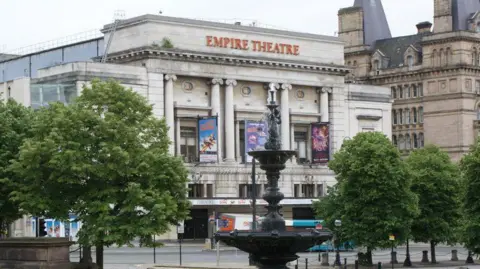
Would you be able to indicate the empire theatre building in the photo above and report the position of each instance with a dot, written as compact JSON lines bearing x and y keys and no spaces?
{"x":210,"y":81}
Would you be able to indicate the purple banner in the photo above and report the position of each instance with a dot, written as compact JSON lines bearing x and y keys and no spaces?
{"x":320,"y":142}
{"x":255,"y":137}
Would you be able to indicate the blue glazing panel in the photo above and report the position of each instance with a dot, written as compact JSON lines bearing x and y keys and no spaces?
{"x":81,"y":52}
{"x":101,"y":47}
{"x":46,"y":59}
{"x":16,"y":68}
{"x":306,"y":223}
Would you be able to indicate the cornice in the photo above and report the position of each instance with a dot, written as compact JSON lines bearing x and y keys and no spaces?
{"x":243,"y":169}
{"x":223,"y":59}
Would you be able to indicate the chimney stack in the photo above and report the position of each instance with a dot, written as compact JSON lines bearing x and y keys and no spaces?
{"x":424,"y":27}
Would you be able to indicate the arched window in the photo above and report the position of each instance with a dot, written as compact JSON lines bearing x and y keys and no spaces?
{"x":478,"y":27}
{"x":420,"y":114}
{"x":394,"y":140}
{"x":410,"y":60}
{"x":448,"y":56}
{"x":415,"y":141}
{"x":406,"y":115}
{"x":406,"y":91}
{"x":349,"y":63}
{"x":420,"y":90}
{"x":401,"y":142}
{"x":394,"y":93}
{"x":400,"y":116}
{"x":394,"y":117}
{"x":408,"y":142}
{"x":434,"y":58}
{"x":414,"y":115}
{"x":376,"y":65}
{"x":441,"y":57}
{"x":400,"y":92}
{"x":354,"y":63}
{"x":478,"y":112}
{"x":420,"y":140}
{"x":414,"y":91}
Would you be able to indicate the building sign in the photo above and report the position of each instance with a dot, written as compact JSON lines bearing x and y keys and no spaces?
{"x":247,"y":202}
{"x":320,"y":142}
{"x":207,"y":136}
{"x":252,"y":45}
{"x":255,"y":137}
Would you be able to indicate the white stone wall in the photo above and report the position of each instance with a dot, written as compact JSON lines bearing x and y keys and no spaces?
{"x":192,"y":35}
{"x":19,"y":90}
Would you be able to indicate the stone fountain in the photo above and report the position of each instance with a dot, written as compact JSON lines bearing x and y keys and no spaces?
{"x":272,"y":246}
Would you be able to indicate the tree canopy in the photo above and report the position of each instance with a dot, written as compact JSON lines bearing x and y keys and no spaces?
{"x":373,"y":199}
{"x":105,"y":159}
{"x":15,"y":122}
{"x":470,"y":169}
{"x":435,"y":180}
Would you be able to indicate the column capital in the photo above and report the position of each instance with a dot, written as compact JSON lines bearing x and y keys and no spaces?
{"x":216,"y":81}
{"x":324,"y":90}
{"x":286,"y":86}
{"x":171,"y":77}
{"x":231,"y":82}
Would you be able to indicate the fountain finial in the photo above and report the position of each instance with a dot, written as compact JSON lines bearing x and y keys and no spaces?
{"x":273,"y":120}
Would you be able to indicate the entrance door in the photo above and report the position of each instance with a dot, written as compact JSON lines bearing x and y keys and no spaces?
{"x":303,"y":213}
{"x":197,"y":226}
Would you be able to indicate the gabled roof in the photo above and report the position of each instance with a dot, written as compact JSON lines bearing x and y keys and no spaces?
{"x":375,"y":24}
{"x":462,"y":11}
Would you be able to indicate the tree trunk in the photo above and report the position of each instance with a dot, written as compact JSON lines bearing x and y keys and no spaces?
{"x":87,"y":255}
{"x":99,"y":256}
{"x":369,"y":256}
{"x":432,"y":251}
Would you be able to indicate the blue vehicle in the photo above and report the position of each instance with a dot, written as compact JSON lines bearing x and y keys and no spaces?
{"x":297,"y":225}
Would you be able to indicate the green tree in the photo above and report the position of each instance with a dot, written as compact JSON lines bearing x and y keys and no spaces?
{"x":105,"y":159}
{"x":470,"y":168}
{"x":15,"y":122}
{"x":435,"y":180}
{"x":374,"y":192}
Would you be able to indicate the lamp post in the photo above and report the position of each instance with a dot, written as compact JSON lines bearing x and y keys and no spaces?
{"x":338,"y":224}
{"x":254,"y":206}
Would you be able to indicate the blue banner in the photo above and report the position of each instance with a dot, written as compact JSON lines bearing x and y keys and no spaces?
{"x":208,"y":139}
{"x":255,"y":137}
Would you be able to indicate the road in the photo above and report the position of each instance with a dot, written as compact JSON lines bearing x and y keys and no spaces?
{"x":136,"y":258}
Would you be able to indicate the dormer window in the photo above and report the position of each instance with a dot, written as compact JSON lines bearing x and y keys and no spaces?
{"x":410,"y":60}
{"x":478,"y":27}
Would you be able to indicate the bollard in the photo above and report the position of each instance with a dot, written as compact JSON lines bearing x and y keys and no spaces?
{"x":454,"y":255}
{"x":425,"y":256}
{"x":306,"y":263}
{"x":469,"y":258}
{"x":345,"y":263}
{"x":356,"y":264}
{"x":393,"y":258}
{"x":296,"y":265}
{"x":324,"y":259}
{"x":379,"y":265}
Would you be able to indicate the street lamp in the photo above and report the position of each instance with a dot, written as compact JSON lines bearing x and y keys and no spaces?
{"x":338,"y":224}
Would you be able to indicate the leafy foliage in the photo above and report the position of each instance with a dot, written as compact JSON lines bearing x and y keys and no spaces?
{"x":104,"y":158}
{"x":15,"y":122}
{"x":435,"y":180}
{"x":470,"y":167}
{"x":373,"y":197}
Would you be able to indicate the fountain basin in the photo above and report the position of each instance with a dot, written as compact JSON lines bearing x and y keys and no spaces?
{"x":273,"y":249}
{"x":272,"y":159}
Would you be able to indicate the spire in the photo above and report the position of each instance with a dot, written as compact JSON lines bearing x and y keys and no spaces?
{"x":461,"y":11}
{"x":375,"y":24}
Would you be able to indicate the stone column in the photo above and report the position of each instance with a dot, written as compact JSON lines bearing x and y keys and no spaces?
{"x":229,"y":121}
{"x":178,"y":137}
{"x":237,"y":141}
{"x":169,"y":110}
{"x":285,"y":114}
{"x":292,"y":141}
{"x":216,"y":111}
{"x":324,"y":91}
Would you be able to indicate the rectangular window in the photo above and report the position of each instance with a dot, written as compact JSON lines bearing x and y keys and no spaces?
{"x":300,"y":145}
{"x":420,"y":90}
{"x":210,"y":190}
{"x":246,"y":190}
{"x":308,"y":190}
{"x":195,"y":190}
{"x":320,"y":190}
{"x":188,"y":144}
{"x":407,"y":92}
{"x":477,"y":86}
{"x":296,"y":190}
{"x":394,"y":116}
{"x":242,"y":144}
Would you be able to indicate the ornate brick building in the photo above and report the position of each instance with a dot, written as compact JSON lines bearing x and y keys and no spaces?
{"x":434,"y":74}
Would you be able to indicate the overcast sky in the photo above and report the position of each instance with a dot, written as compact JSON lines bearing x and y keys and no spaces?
{"x":27,"y":22}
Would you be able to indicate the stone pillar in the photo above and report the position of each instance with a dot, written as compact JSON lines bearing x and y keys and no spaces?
{"x":324,"y":259}
{"x":454,"y":255}
{"x":229,"y":121}
{"x":393,"y":258}
{"x":178,"y":137}
{"x":169,"y":110}
{"x":216,"y":111}
{"x":425,"y":256}
{"x":292,"y":141}
{"x":324,"y":91}
{"x":285,"y":114}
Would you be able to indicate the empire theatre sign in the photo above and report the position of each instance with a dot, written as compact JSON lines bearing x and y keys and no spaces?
{"x":252,"y":45}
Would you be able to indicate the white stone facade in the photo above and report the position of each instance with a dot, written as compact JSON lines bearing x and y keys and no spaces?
{"x":195,"y":78}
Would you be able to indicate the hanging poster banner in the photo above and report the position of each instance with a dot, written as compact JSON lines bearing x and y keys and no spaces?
{"x":255,"y":137}
{"x":320,"y":143}
{"x":208,"y":139}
